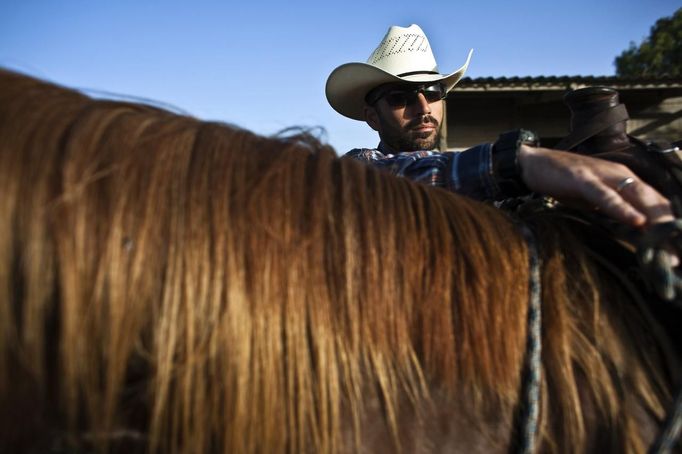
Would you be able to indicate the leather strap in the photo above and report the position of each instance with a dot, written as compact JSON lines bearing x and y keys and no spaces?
{"x":592,"y":126}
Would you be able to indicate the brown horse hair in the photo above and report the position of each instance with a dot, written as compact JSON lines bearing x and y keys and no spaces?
{"x":174,"y":285}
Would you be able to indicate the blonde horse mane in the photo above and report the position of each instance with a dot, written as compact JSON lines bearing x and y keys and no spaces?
{"x":173,"y":285}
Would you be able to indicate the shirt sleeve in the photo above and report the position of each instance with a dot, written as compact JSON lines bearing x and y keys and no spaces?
{"x":466,"y":172}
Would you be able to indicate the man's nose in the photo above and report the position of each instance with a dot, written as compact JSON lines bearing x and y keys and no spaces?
{"x":420,"y":105}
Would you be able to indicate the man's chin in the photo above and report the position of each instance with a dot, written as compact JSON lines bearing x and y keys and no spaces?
{"x":414,"y":140}
{"x":425,"y":141}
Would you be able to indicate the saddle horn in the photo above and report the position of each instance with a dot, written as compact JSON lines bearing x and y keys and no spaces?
{"x":598,"y":121}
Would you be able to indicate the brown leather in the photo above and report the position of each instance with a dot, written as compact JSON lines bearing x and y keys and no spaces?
{"x":598,"y":120}
{"x":599,"y":129}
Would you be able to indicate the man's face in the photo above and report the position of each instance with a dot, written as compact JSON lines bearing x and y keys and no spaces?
{"x":407,"y":117}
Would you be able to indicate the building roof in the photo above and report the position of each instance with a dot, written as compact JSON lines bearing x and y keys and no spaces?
{"x":565,"y":83}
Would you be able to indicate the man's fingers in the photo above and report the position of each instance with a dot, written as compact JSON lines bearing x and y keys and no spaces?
{"x":646,"y":200}
{"x":612,"y":204}
{"x":612,"y":188}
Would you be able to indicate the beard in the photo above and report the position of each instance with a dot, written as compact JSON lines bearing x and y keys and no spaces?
{"x":408,"y":138}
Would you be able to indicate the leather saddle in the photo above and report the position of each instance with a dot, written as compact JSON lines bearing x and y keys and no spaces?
{"x":599,"y":128}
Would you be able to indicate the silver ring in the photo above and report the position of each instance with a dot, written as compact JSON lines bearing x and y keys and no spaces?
{"x":624,"y":183}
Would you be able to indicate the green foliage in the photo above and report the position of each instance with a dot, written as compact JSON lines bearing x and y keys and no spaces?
{"x":659,"y":55}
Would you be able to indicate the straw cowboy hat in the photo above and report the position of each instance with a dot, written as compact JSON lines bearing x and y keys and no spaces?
{"x":404,"y":55}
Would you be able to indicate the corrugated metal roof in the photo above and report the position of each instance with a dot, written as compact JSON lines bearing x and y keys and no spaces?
{"x":564,"y":83}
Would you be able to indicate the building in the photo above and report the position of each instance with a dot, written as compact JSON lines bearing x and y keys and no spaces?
{"x":481,"y":108}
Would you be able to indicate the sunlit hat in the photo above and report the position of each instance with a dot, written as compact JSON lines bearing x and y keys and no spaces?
{"x":404,"y":55}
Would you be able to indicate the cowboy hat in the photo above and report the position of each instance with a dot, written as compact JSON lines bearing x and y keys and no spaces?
{"x":404,"y":55}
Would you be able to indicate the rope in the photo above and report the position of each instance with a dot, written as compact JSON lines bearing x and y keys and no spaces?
{"x":671,"y":433}
{"x":659,"y":270}
{"x":656,"y":261}
{"x":530,"y":392}
{"x":658,"y":267}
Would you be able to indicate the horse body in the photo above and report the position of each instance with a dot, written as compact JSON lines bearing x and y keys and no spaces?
{"x":171,"y":285}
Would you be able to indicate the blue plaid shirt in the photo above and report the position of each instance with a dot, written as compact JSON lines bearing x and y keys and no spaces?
{"x":466,"y":172}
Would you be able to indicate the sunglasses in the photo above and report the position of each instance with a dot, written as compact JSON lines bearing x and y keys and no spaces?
{"x":407,"y":95}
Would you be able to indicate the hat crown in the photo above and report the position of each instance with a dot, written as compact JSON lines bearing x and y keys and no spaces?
{"x":404,"y":50}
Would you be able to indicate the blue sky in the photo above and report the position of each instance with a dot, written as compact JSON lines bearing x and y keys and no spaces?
{"x":262,"y":65}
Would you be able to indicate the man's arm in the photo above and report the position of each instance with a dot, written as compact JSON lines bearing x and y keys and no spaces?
{"x":592,"y":183}
{"x":568,"y":177}
{"x":468,"y":173}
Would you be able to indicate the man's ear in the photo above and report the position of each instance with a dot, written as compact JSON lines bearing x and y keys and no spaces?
{"x":372,"y":117}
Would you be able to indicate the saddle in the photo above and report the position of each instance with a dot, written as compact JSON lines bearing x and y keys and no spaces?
{"x":598,"y":128}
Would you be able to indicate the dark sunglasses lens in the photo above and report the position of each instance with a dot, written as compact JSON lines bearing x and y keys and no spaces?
{"x":434,"y":93}
{"x":398,"y":98}
{"x":401,"y":98}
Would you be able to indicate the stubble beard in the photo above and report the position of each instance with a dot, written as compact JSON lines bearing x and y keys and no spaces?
{"x":423,"y":141}
{"x":407,"y":139}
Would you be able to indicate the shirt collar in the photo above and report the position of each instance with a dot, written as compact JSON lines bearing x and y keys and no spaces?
{"x":386,"y":149}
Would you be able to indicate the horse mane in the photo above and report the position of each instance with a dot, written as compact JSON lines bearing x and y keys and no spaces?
{"x":174,"y":285}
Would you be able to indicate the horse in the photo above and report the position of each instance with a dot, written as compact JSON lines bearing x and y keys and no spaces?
{"x":174,"y":285}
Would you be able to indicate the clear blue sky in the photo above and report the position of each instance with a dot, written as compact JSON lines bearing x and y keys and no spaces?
{"x":262,"y":65}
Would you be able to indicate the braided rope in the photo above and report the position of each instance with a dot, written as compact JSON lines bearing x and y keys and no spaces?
{"x":671,"y":433}
{"x":658,"y":267}
{"x":657,"y":249}
{"x":530,"y":394}
{"x":656,"y":260}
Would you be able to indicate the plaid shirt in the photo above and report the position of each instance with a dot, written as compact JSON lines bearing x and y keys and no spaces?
{"x":467,"y":172}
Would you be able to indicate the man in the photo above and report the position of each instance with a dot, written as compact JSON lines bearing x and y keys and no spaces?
{"x":400,"y":93}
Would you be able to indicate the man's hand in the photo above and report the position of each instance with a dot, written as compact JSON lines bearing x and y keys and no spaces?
{"x":583,"y":181}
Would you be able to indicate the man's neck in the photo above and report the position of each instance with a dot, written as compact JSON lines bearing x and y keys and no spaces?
{"x":386,"y":149}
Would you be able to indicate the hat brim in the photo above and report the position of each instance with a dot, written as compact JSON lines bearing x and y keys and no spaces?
{"x":348,"y":85}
